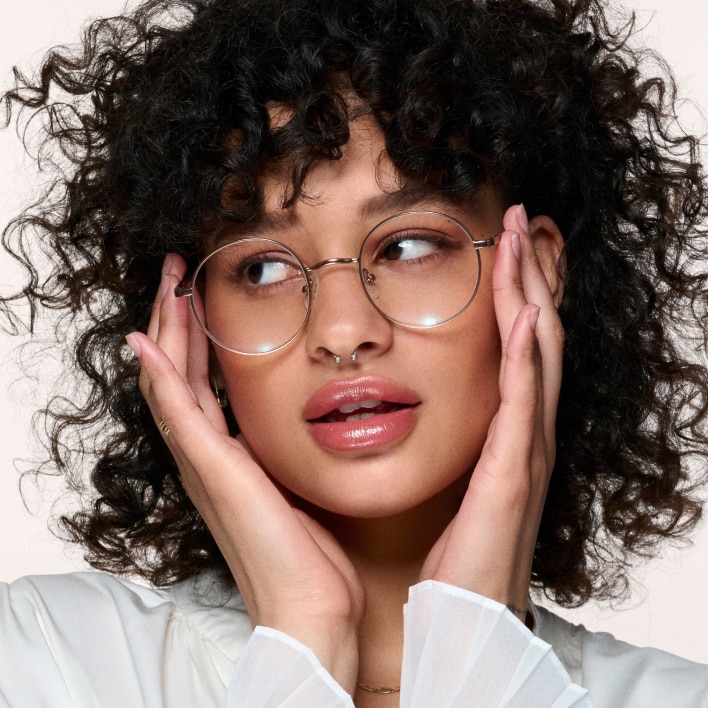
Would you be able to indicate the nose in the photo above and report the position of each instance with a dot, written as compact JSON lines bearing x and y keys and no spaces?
{"x":342,"y":318}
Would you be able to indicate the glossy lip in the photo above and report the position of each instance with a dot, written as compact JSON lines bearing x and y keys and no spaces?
{"x":377,"y":431}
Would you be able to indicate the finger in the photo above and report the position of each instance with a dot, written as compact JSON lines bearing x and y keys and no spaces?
{"x":154,"y":324}
{"x":508,"y":292}
{"x":549,"y":330}
{"x":192,"y":435}
{"x":172,"y":267}
{"x":198,"y":374}
{"x":513,"y":471}
{"x":172,"y":336}
{"x":533,"y":280}
{"x":512,"y":437}
{"x":490,"y":546}
{"x":188,"y":350}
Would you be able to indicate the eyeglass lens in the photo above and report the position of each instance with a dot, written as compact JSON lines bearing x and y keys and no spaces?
{"x":419,"y":269}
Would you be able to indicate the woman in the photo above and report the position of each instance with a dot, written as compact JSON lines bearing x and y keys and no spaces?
{"x":350,"y":391}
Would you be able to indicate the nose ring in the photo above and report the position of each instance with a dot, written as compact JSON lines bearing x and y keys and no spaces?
{"x":338,"y":359}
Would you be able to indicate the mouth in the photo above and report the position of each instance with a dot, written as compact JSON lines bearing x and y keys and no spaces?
{"x":363,"y":410}
{"x":361,"y":413}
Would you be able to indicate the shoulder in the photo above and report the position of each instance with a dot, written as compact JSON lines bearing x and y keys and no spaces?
{"x":72,"y":600}
{"x":620,"y":674}
{"x":95,"y":633}
{"x":46,"y":591}
{"x":75,"y":604}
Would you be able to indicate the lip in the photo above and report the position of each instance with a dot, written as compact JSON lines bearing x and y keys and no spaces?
{"x":377,"y":431}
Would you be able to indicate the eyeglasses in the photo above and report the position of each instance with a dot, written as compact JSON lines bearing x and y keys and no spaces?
{"x":419,"y":269}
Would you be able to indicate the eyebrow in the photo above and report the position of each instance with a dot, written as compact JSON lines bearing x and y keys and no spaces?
{"x":404,"y":199}
{"x":267,"y":223}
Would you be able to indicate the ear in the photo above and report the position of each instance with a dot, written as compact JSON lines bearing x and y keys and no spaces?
{"x":548,"y":242}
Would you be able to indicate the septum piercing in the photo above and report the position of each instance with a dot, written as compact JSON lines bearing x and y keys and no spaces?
{"x":338,"y":359}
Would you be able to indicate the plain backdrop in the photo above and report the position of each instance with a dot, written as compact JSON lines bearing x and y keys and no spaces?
{"x":667,"y":608}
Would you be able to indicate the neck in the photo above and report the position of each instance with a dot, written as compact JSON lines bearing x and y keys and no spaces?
{"x":388,"y":554}
{"x":389,"y":544}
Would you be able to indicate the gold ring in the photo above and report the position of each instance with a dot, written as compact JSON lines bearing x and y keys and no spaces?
{"x":163,"y":428}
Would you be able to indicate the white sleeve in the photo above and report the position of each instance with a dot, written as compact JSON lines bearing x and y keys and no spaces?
{"x":277,"y":670}
{"x":462,"y":649}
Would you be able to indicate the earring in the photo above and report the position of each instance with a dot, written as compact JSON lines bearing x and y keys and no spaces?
{"x":221,"y":398}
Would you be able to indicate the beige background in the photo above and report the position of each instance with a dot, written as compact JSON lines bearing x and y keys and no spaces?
{"x":668,"y":608}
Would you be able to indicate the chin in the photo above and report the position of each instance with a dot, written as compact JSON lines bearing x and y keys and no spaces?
{"x":383,"y":500}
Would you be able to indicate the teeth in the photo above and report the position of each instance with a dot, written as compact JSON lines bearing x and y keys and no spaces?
{"x":351,"y":407}
{"x":360,"y":416}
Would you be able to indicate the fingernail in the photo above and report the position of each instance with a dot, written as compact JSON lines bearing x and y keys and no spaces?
{"x":533,"y":317}
{"x":164,"y":285}
{"x":134,"y":343}
{"x":165,"y":280}
{"x":522,"y":217}
{"x":516,"y":245}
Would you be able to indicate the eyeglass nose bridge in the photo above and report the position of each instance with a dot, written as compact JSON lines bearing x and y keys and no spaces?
{"x":312,"y":284}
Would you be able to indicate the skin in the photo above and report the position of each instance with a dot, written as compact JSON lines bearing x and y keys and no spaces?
{"x":457,"y":385}
{"x":324,"y":545}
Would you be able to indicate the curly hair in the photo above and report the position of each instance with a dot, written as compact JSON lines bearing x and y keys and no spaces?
{"x":157,"y":127}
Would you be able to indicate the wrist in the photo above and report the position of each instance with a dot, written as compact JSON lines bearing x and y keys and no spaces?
{"x":523,"y":614}
{"x":335,"y":647}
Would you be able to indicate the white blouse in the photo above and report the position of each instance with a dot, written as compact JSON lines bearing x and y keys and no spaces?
{"x":92,"y":640}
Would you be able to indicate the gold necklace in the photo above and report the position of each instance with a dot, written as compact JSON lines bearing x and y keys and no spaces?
{"x":382,"y":690}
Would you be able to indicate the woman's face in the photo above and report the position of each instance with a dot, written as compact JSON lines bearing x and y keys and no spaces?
{"x":438,"y":387}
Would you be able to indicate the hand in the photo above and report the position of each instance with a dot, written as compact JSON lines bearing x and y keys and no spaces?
{"x":292,"y":574}
{"x":488,"y":547}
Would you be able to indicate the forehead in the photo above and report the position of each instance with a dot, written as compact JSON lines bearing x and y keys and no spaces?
{"x":362,"y":166}
{"x":362,"y":185}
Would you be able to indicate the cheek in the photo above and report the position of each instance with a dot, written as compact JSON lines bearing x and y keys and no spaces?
{"x":258,"y":395}
{"x":474,"y":343}
{"x":456,"y":370}
{"x":473,"y":386}
{"x":472,"y":375}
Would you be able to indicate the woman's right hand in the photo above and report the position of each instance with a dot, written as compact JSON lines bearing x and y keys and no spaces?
{"x":489,"y":545}
{"x":291,"y":572}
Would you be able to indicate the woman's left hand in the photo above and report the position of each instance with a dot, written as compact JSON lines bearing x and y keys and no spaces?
{"x":488,"y":547}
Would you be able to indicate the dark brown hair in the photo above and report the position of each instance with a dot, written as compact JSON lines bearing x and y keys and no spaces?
{"x":158,"y":120}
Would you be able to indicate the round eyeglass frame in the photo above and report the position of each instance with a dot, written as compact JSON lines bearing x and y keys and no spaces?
{"x":186,"y":288}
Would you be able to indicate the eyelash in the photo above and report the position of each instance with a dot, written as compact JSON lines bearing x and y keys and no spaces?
{"x":421,"y":236}
{"x":238,"y":272}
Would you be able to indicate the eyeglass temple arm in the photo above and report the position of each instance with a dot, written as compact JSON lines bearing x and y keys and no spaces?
{"x":484,"y":243}
{"x":184,"y":289}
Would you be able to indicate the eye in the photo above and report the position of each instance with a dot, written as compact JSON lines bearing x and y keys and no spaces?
{"x":269,"y":272}
{"x":248,"y":266}
{"x":409,"y":247}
